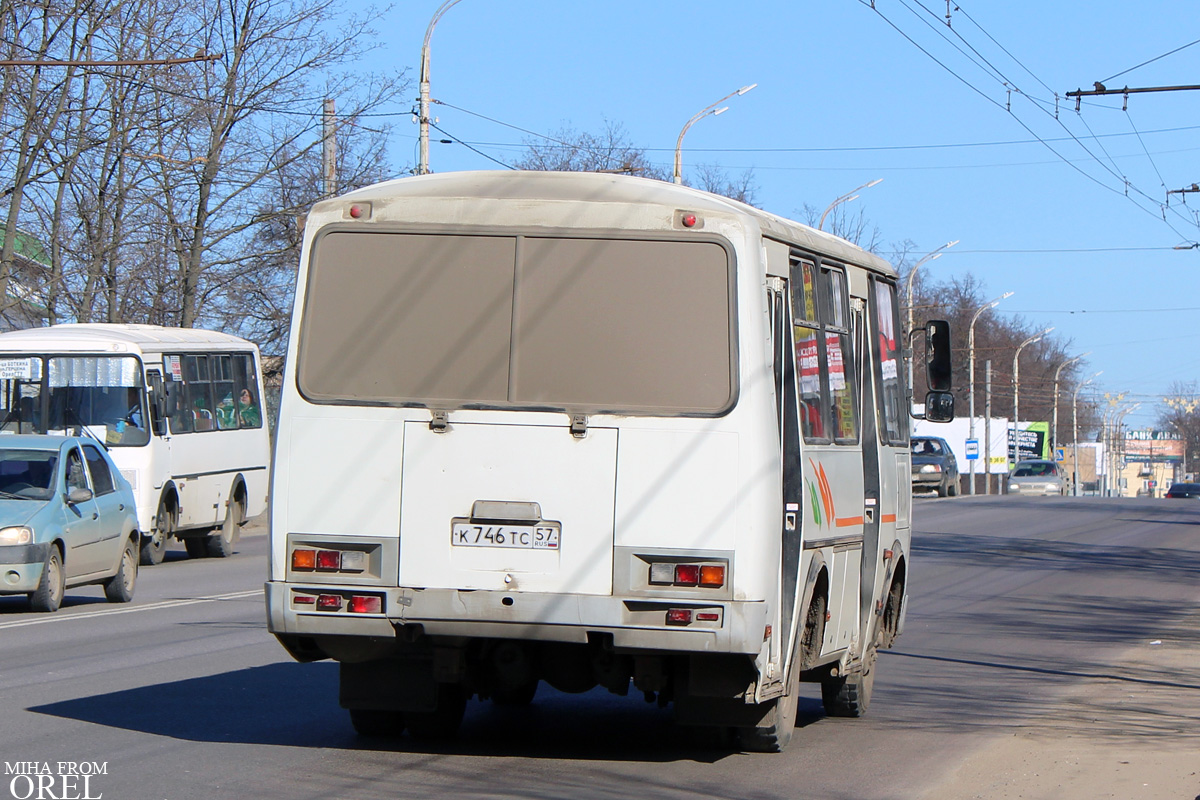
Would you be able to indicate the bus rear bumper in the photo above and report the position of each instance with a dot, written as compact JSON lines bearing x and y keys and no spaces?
{"x":633,"y":623}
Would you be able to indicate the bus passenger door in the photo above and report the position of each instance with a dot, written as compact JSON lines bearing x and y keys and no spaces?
{"x":787,"y":410}
{"x":873,"y":506}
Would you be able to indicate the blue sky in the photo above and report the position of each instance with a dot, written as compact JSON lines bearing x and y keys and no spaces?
{"x":1063,"y":209}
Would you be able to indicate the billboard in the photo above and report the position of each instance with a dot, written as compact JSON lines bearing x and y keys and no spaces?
{"x":1032,"y":442}
{"x":1153,"y":446}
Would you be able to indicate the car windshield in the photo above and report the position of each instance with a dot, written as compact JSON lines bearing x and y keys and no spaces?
{"x":1033,"y":470}
{"x":27,"y":474}
{"x":926,"y":447}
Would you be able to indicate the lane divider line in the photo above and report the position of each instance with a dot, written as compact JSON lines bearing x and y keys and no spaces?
{"x":59,"y":617}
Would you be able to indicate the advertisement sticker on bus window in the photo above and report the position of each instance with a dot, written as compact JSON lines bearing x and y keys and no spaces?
{"x":174,"y":370}
{"x":16,"y":368}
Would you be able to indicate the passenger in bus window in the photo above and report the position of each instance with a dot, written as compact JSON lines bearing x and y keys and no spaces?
{"x":248,"y":410}
{"x":226,"y":413}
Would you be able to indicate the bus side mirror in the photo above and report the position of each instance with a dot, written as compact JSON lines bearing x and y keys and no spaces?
{"x":937,"y":356}
{"x":939,"y":406}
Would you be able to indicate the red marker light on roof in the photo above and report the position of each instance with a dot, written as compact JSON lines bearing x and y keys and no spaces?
{"x":688,"y":220}
{"x":356,"y":211}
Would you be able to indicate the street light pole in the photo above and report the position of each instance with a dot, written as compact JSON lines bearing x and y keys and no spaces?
{"x":423,"y":163}
{"x":1115,"y":436}
{"x":1075,"y":433}
{"x":971,"y":370}
{"x":699,"y":115}
{"x":1057,"y":372}
{"x":846,"y":198}
{"x":1017,"y":391}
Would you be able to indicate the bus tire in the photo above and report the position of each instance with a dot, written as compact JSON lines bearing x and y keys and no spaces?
{"x":443,"y":721}
{"x":774,"y":732}
{"x":48,"y":595}
{"x":222,"y":542}
{"x":154,"y":547}
{"x":196,"y":546}
{"x":119,"y":588}
{"x":373,"y":723}
{"x":814,"y":632}
{"x":850,"y":695}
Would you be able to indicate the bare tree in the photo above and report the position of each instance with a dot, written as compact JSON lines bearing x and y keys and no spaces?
{"x":569,"y":150}
{"x":1180,"y":412}
{"x":611,"y":150}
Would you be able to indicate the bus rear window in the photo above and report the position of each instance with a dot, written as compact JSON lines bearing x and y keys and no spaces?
{"x":535,"y":321}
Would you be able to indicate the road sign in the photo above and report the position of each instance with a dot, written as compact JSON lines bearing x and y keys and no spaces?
{"x":1060,"y":454}
{"x":972,"y":449}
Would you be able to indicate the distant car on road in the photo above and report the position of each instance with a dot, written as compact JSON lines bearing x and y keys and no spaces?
{"x":1186,"y":490}
{"x":67,"y":518}
{"x":934,"y":465}
{"x":1038,"y":477}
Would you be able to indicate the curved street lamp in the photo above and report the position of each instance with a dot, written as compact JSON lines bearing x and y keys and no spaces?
{"x":846,"y":198}
{"x":1017,"y":389}
{"x":1058,"y":372}
{"x":423,"y":163}
{"x":971,"y":376}
{"x":1075,"y":433}
{"x":699,"y":115}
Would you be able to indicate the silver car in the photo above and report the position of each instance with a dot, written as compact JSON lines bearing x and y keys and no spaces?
{"x":67,"y":518}
{"x":1038,"y":478}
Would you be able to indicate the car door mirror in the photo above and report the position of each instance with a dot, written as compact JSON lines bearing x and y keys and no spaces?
{"x":78,"y":494}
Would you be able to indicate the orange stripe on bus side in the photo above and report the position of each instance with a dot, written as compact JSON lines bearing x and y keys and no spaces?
{"x":888,"y":518}
{"x":845,"y":522}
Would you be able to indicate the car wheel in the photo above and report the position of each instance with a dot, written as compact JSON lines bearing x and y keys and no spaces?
{"x":952,"y":489}
{"x":119,"y":588}
{"x":49,"y":594}
{"x":943,"y":488}
{"x":221,"y":543}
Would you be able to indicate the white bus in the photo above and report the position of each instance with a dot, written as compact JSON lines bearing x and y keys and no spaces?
{"x":179,"y":409}
{"x":589,"y":430}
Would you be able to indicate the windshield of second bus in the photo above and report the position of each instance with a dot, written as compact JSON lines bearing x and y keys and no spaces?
{"x":103,"y":396}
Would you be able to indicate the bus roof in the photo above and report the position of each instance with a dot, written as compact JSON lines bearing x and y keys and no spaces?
{"x":100,"y":335}
{"x":597,"y":187}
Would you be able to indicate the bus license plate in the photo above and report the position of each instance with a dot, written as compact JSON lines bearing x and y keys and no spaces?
{"x":533,"y":537}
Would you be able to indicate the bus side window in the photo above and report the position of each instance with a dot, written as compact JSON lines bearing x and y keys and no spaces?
{"x":199,"y":392}
{"x":225,"y":391}
{"x":809,"y":356}
{"x":248,"y":410}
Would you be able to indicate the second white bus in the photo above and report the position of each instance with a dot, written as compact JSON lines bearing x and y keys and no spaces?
{"x":179,"y":409}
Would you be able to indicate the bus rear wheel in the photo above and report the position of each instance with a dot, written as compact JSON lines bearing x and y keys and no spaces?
{"x":222,"y":542}
{"x":849,"y":695}
{"x":377,"y":724}
{"x":443,"y":721}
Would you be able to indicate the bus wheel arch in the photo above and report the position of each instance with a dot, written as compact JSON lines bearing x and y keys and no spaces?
{"x":893,"y":606}
{"x":816,"y":608}
{"x":166,"y":519}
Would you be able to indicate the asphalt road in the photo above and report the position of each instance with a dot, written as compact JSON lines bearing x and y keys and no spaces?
{"x":1049,"y":652}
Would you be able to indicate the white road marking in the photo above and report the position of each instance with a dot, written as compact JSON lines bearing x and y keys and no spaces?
{"x":86,"y":615}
